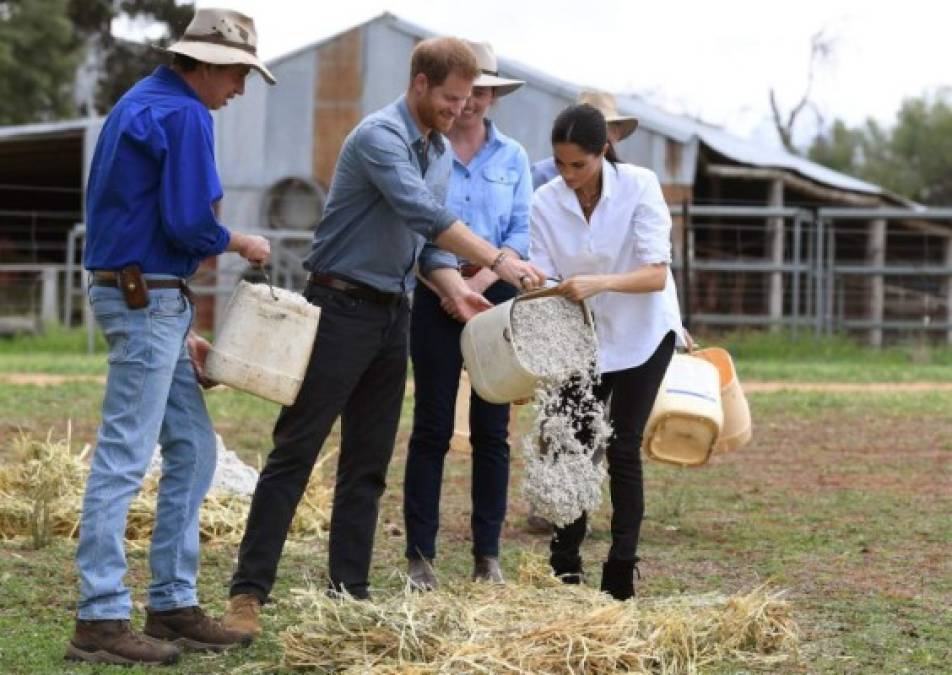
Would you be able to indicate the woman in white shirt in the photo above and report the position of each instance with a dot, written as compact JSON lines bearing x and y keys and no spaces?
{"x":604,"y":227}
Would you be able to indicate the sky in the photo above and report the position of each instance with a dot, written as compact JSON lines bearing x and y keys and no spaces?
{"x":712,"y":60}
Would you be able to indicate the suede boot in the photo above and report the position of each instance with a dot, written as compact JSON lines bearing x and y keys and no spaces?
{"x":618,"y":578}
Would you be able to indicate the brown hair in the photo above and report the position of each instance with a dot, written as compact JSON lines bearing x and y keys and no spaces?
{"x":438,"y":57}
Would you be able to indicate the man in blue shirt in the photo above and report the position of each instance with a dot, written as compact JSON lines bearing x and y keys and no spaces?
{"x":150,"y":221}
{"x":490,"y":189}
{"x":386,"y":200}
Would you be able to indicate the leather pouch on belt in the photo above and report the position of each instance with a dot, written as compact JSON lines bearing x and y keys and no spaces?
{"x":133,"y":287}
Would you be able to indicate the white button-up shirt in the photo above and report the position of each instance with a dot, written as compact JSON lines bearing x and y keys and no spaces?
{"x":630,"y":228}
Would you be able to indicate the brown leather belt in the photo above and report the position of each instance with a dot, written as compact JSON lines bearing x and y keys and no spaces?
{"x":358,"y":291}
{"x":468,"y":270}
{"x":111,"y":279}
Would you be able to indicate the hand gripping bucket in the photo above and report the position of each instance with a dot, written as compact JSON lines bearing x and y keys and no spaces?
{"x":687,"y":417}
{"x":736,"y":431}
{"x":265,"y":342}
{"x":495,"y":371}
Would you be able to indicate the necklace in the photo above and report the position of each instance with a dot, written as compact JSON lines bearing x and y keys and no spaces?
{"x":588,"y":202}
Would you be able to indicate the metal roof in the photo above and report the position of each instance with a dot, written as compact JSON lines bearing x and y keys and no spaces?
{"x":677,"y":127}
{"x":22,"y":132}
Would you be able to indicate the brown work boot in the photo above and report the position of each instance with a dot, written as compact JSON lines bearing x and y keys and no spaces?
{"x":114,"y":641}
{"x":486,"y":568}
{"x":193,"y":629}
{"x":243,"y":614}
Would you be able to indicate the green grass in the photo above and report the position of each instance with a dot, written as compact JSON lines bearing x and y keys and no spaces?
{"x":841,"y":498}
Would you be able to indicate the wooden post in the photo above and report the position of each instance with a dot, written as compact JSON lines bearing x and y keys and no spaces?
{"x":775,"y":248}
{"x":49,"y":309}
{"x":948,"y":288}
{"x":876,"y":257}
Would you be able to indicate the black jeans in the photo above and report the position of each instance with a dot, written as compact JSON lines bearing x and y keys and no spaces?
{"x":632,"y":392}
{"x":357,"y":372}
{"x":437,"y":360}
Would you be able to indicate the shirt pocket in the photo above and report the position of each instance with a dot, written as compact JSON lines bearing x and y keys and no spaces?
{"x":500,"y":185}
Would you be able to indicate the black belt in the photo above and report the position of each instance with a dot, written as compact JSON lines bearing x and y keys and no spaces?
{"x":111,"y":280}
{"x":358,"y":291}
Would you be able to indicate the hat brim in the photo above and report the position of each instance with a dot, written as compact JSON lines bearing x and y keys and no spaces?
{"x":501,"y":85}
{"x":220,"y":55}
{"x":626,"y":124}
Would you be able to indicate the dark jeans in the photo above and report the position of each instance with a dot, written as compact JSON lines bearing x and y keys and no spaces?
{"x":632,"y":392}
{"x":437,"y":361}
{"x":357,"y":372}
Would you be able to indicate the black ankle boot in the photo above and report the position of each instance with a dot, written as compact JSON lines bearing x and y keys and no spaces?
{"x":618,"y":578}
{"x":567,"y":567}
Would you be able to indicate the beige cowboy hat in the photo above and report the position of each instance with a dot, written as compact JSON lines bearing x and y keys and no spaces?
{"x":489,"y":75}
{"x":605,"y":102}
{"x":222,"y":37}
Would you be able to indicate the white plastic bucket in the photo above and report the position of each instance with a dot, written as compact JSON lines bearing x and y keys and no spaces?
{"x":736,"y":431}
{"x":264,"y":344}
{"x":687,"y":416}
{"x":495,"y":371}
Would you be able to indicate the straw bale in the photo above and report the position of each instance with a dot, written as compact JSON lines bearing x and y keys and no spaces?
{"x":530,"y":626}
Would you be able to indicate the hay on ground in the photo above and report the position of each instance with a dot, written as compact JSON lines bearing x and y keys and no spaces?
{"x":534,"y":627}
{"x":41,"y":495}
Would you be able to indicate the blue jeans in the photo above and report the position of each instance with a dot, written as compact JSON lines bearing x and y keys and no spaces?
{"x":151,"y":396}
{"x":437,"y":361}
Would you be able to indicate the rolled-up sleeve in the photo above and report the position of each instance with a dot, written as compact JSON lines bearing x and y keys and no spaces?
{"x":432,"y":257}
{"x":516,"y":234}
{"x":651,"y":225}
{"x":385,"y":158}
{"x":539,"y":249}
{"x":190,"y":187}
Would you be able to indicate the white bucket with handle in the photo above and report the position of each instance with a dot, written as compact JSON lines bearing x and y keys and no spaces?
{"x":488,"y":342}
{"x":736,"y":431}
{"x":687,"y":416}
{"x":265,"y":342}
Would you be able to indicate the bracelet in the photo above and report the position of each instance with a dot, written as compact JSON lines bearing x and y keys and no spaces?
{"x":499,"y":258}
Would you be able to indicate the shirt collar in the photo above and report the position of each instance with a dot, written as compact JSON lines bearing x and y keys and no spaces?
{"x":609,"y":179}
{"x":168,"y":76}
{"x":413,"y":131}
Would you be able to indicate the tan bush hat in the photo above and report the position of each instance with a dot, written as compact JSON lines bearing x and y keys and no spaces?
{"x":605,"y":102}
{"x":489,"y":77}
{"x":222,"y":37}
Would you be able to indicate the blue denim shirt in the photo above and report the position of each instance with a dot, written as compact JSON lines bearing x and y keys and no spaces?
{"x":491,"y":194}
{"x":382,"y":205}
{"x":543,"y":171}
{"x":153,"y":183}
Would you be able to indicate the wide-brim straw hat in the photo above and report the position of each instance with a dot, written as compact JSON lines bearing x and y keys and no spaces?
{"x":222,"y":37}
{"x":489,"y":70}
{"x":605,"y":102}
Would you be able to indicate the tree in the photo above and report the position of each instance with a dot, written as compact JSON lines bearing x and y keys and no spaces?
{"x":121,"y":62}
{"x":822,"y":46}
{"x":913,"y":158}
{"x":38,"y":58}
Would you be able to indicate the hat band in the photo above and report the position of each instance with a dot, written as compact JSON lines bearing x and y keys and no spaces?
{"x":494,"y":73}
{"x":218,"y":40}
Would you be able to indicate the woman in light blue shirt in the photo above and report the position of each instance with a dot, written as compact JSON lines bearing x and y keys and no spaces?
{"x":490,"y":190}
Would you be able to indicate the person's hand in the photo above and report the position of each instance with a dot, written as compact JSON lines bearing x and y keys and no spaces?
{"x":689,"y":342}
{"x":465,"y":306}
{"x":481,"y":281}
{"x":521,"y":274}
{"x":253,"y":248}
{"x":198,"y":348}
{"x":581,"y":287}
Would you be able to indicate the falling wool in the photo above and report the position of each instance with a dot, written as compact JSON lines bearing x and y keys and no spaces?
{"x":563,"y":474}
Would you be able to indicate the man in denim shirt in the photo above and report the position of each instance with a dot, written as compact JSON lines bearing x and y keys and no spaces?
{"x":150,"y":206}
{"x":490,"y":188}
{"x":386,"y":199}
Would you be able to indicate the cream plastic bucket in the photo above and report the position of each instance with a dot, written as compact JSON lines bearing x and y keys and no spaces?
{"x":736,"y":431}
{"x":495,"y":371}
{"x":264,"y":344}
{"x":686,"y":419}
